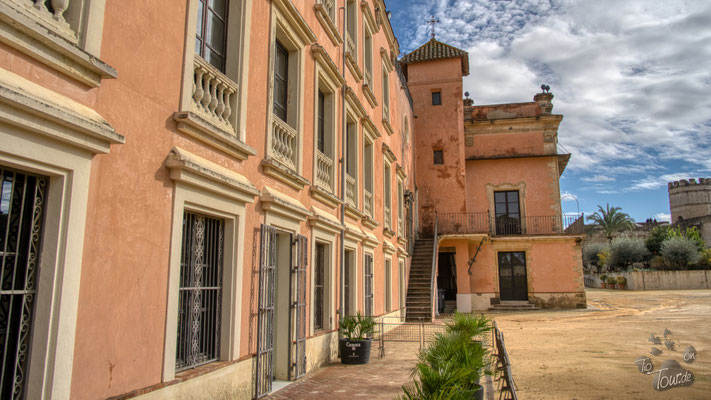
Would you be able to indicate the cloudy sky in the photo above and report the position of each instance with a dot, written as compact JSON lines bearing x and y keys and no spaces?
{"x":631,"y":77}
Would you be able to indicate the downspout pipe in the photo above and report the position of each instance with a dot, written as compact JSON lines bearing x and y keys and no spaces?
{"x":342,"y":161}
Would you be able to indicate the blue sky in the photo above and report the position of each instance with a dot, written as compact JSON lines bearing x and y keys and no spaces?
{"x":631,"y":77}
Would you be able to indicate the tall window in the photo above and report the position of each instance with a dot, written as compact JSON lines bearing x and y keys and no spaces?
{"x":321,"y":140}
{"x":352,"y":164}
{"x":200,"y":294}
{"x":352,"y":28}
{"x":386,"y":95}
{"x":387,"y":196}
{"x":400,"y":211}
{"x":368,"y":283}
{"x":388,"y":285}
{"x":436,"y":98}
{"x":319,"y":280}
{"x":211,"y":32}
{"x":281,"y":81}
{"x":508,"y":213}
{"x":368,"y":177}
{"x":368,"y":55}
{"x":22,"y":203}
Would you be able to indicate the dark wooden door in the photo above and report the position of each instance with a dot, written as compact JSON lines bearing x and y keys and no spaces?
{"x":512,"y":276}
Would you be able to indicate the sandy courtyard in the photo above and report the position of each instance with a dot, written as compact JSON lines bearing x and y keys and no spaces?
{"x":590,"y":354}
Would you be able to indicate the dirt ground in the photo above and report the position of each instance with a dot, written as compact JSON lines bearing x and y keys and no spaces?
{"x":590,"y":354}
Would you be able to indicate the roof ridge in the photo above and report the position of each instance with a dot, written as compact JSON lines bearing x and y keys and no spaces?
{"x":433,"y":49}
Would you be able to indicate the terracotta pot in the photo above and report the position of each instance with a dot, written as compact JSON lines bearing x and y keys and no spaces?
{"x":603,"y":285}
{"x":621,"y":286}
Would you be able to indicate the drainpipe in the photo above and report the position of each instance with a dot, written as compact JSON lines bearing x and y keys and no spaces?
{"x":343,"y":174}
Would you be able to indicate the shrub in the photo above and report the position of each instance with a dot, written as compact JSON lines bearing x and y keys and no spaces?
{"x":625,"y":251}
{"x":661,"y":233}
{"x":590,"y":255}
{"x":621,"y":280}
{"x":450,"y":367}
{"x":611,"y":280}
{"x":655,"y":239}
{"x":603,"y":278}
{"x":604,"y":258}
{"x":657,"y":262}
{"x":679,"y":252}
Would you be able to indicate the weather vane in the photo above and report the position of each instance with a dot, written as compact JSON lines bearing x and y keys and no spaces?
{"x":432,"y":21}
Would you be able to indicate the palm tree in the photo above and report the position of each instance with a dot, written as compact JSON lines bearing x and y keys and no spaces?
{"x":611,"y":220}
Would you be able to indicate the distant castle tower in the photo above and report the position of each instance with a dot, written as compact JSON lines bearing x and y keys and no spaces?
{"x":690,"y":204}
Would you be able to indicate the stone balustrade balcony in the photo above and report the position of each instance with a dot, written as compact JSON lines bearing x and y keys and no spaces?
{"x":351,"y":191}
{"x":213,"y":94}
{"x":324,"y":171}
{"x":283,"y":143}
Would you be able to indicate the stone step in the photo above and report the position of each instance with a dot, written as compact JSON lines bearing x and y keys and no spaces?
{"x":514,"y":306}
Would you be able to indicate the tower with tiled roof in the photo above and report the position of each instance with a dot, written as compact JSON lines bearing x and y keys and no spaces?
{"x":434,"y":74}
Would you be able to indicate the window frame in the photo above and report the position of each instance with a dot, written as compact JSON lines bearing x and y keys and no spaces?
{"x":207,"y":10}
{"x":387,"y":194}
{"x":388,"y":282}
{"x":368,"y":282}
{"x":438,"y":160}
{"x":436,"y":97}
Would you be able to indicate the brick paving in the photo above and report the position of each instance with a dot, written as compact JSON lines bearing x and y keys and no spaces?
{"x":382,"y":378}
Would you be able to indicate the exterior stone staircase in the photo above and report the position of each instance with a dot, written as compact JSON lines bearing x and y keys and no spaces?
{"x":507,"y":306}
{"x":419,"y":297}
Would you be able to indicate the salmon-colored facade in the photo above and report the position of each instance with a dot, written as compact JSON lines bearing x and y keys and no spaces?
{"x":199,"y":186}
{"x":488,"y":178}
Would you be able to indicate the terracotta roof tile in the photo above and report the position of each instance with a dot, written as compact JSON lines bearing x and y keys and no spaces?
{"x":436,"y":50}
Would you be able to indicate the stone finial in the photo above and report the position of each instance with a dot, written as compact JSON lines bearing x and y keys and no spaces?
{"x":468,"y":102}
{"x":544,"y":101}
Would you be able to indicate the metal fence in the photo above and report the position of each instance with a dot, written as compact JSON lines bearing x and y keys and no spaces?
{"x":502,"y":372}
{"x":483,"y":222}
{"x":396,"y":329}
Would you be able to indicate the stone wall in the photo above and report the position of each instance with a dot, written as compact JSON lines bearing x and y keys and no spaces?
{"x":689,"y":198}
{"x":690,"y":204}
{"x":658,"y":280}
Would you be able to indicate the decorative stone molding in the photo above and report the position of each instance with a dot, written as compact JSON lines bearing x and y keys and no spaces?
{"x":354,"y":233}
{"x":370,"y":19}
{"x":354,"y":212}
{"x":370,"y":222}
{"x":355,"y":103}
{"x":203,"y":129}
{"x":42,"y":111}
{"x":386,"y":60}
{"x":370,"y":240}
{"x":321,"y":56}
{"x":325,"y":221}
{"x":367,"y":91}
{"x":276,"y":169}
{"x":389,"y":155}
{"x":279,"y":203}
{"x":191,"y":169}
{"x":370,"y":131}
{"x":352,"y":58}
{"x":388,"y":248}
{"x":325,"y":197}
{"x":326,"y":15}
{"x":386,"y":124}
{"x":50,"y":41}
{"x":388,"y":232}
{"x":295,"y":21}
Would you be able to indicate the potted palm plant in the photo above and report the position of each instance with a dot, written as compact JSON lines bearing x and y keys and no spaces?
{"x":611,"y":280}
{"x":621,"y":282}
{"x":356,"y":342}
{"x":603,"y":283}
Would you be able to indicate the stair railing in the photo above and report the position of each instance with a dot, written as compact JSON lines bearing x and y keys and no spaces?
{"x":434,"y":265}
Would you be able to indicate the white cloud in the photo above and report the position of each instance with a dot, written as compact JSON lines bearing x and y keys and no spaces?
{"x":631,"y":78}
{"x":656,"y":182}
{"x":598,"y":178}
{"x":662,"y":216}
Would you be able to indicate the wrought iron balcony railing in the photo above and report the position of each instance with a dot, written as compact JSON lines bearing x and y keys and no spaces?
{"x":483,"y":222}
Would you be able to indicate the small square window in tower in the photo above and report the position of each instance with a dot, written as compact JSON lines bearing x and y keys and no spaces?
{"x":436,"y":98}
{"x":439,"y":157}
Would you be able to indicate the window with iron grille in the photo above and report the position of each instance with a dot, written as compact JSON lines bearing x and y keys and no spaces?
{"x":200,"y":293}
{"x":368,"y":284}
{"x":211,"y":32}
{"x":319,"y":278}
{"x":22,"y":202}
